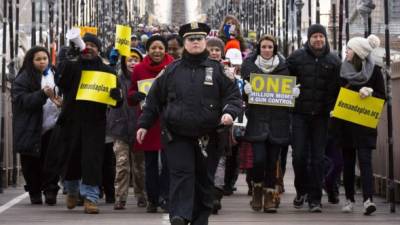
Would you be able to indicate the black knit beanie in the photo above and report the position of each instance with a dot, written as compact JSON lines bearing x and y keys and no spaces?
{"x":156,"y":38}
{"x":316,"y":28}
{"x":88,"y":37}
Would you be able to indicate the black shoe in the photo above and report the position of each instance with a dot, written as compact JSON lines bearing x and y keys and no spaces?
{"x":141,"y":202}
{"x":228,"y":191}
{"x":80,"y":201}
{"x":216,"y":206}
{"x":110,"y":200}
{"x":36,"y":199}
{"x":315,"y":207}
{"x":333,"y":198}
{"x":151,"y":207}
{"x":50,"y":198}
{"x":177,"y":220}
{"x":164,"y":205}
{"x":298,"y":201}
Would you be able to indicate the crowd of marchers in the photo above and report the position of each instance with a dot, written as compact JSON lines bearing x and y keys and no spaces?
{"x":182,"y":143}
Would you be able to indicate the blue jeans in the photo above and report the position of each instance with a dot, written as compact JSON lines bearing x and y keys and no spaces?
{"x":74,"y":187}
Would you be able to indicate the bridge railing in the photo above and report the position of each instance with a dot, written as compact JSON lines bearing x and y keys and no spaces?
{"x":380,"y":156}
{"x":11,"y":164}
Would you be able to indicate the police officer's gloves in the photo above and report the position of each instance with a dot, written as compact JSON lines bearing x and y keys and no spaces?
{"x":247,"y":88}
{"x":113,"y":57}
{"x":138,"y":96}
{"x":116,"y":94}
{"x":296,"y":91}
{"x":365,"y":92}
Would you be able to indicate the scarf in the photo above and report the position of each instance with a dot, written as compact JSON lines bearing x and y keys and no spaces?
{"x":156,"y":68}
{"x":267,"y":65}
{"x":348,"y":72}
{"x":194,"y":60}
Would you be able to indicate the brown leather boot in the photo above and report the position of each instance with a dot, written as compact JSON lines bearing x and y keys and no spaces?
{"x":90,"y":207}
{"x":256,"y":202}
{"x":71,"y":201}
{"x":269,"y":200}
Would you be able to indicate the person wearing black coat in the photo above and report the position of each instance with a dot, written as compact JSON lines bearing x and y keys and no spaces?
{"x":82,"y":125}
{"x":35,"y":111}
{"x":317,"y":73}
{"x":267,"y":126}
{"x":194,"y":97}
{"x":359,"y":73}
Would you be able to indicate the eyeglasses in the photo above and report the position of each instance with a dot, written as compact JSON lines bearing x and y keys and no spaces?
{"x":195,"y":38}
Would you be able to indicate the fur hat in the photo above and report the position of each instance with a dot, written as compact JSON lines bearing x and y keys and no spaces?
{"x":363,"y":46}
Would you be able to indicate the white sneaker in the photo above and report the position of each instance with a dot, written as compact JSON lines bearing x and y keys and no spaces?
{"x":348,"y":206}
{"x":369,"y":207}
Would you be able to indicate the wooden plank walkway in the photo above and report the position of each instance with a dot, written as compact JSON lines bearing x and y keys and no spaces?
{"x":236,"y":211}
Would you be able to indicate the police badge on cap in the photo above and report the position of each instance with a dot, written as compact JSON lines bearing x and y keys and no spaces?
{"x":194,"y":28}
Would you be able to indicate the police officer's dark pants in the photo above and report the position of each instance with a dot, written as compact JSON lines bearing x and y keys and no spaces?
{"x":32,"y":170}
{"x":191,"y":185}
{"x":365,"y":162}
{"x":309,"y":141}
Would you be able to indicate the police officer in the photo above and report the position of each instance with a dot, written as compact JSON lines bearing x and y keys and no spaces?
{"x":194,"y":98}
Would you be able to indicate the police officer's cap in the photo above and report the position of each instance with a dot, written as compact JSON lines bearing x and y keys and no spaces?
{"x":194,"y":28}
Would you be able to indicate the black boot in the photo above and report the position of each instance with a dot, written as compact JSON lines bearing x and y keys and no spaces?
{"x":36,"y":198}
{"x":218,"y":194}
{"x":50,"y":198}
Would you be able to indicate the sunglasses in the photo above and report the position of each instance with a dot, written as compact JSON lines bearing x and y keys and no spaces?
{"x":195,"y":38}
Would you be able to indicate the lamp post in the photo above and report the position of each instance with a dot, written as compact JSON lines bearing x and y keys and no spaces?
{"x":3,"y":94}
{"x":391,"y":183}
{"x":317,"y":14}
{"x":299,"y":6}
{"x":82,"y":13}
{"x":365,"y":8}
{"x":340,"y":44}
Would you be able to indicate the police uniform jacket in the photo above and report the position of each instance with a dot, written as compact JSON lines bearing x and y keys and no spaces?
{"x":192,"y":94}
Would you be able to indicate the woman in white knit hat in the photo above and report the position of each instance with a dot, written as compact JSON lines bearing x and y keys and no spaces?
{"x":359,"y":73}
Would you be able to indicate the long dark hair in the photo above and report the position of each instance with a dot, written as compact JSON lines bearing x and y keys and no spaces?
{"x":27,"y":65}
{"x":356,"y":61}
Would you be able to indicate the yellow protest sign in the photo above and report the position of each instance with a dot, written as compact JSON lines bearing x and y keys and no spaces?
{"x":252,"y":35}
{"x":350,"y":107}
{"x":84,"y":30}
{"x":145,"y":85}
{"x":272,"y":90}
{"x":123,"y":40}
{"x":95,"y":86}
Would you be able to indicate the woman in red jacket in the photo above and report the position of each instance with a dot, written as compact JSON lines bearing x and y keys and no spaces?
{"x":156,"y":183}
